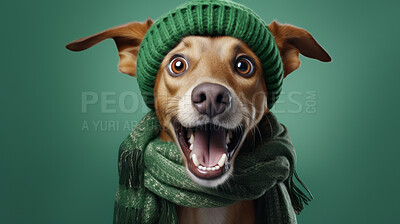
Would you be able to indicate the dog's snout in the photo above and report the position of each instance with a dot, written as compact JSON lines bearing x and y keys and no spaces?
{"x":211,"y":99}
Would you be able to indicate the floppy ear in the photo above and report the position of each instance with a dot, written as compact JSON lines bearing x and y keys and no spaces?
{"x":127,"y":37}
{"x":291,"y":41}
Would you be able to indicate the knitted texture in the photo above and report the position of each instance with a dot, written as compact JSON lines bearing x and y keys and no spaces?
{"x":208,"y":18}
{"x":153,"y":178}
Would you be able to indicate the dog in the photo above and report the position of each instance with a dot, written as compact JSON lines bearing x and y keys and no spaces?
{"x":205,"y":88}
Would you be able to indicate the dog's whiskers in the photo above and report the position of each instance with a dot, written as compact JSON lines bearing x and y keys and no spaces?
{"x":255,"y":128}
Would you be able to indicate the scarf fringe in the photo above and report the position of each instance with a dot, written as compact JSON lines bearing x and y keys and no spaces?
{"x":129,"y":215}
{"x":131,"y":164}
{"x":126,"y":215}
{"x":168,"y":214}
{"x":297,"y":196}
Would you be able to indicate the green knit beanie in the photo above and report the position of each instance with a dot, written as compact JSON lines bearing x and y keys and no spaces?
{"x":208,"y":18}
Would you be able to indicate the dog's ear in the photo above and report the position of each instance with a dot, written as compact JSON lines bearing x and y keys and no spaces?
{"x":127,"y":37}
{"x":291,"y":41}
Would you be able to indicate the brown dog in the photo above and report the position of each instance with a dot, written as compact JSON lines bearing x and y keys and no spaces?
{"x":199,"y":97}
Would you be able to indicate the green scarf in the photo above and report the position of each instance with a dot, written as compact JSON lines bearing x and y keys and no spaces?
{"x":153,"y":179}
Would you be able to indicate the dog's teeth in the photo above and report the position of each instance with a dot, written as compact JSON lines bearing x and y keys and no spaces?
{"x":195,"y":160}
{"x":191,"y":139}
{"x":191,"y":147}
{"x":221,"y":161}
{"x":208,"y":168}
{"x":217,"y":167}
{"x":213,"y":168}
{"x":228,"y":139}
{"x":202,"y":168}
{"x":188,"y":133}
{"x":230,"y":134}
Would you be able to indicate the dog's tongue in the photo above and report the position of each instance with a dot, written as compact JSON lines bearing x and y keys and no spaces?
{"x":209,"y":145}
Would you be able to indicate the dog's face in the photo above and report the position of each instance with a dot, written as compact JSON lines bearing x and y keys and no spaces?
{"x":209,"y":91}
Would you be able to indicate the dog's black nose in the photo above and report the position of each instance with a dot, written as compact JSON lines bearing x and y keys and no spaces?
{"x":211,"y":99}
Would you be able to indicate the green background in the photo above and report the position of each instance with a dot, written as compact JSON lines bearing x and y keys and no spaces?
{"x":53,"y":171}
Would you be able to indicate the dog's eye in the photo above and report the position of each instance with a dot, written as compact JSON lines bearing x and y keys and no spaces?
{"x":244,"y":66}
{"x":177,"y":66}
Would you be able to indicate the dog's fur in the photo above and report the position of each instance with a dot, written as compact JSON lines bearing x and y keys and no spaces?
{"x":210,"y":60}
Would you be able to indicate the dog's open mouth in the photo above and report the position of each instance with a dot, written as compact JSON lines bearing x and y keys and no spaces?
{"x":208,"y":149}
